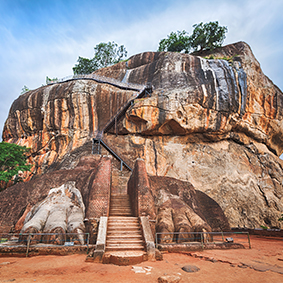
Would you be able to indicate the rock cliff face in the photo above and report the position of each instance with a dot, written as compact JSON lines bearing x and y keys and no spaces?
{"x":212,"y":122}
{"x":56,"y":119}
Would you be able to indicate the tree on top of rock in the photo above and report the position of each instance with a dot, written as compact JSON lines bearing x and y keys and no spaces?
{"x":205,"y":37}
{"x":105,"y":54}
{"x":175,"y":42}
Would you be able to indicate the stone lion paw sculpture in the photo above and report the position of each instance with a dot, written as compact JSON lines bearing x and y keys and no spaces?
{"x":174,"y":215}
{"x":61,"y":212}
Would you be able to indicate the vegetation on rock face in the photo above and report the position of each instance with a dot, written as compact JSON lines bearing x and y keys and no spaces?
{"x":206,"y":36}
{"x":25,"y":89}
{"x":105,"y":54}
{"x":50,"y":80}
{"x":13,"y":158}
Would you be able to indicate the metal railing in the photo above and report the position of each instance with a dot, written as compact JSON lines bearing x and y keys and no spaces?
{"x":202,"y":238}
{"x":41,"y":240}
{"x":100,"y":79}
{"x":100,"y":142}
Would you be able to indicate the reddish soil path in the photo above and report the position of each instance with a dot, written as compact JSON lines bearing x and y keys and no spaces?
{"x":262,"y":263}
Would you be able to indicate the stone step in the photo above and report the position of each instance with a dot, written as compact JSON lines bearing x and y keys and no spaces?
{"x":120,"y":214}
{"x":123,"y":218}
{"x":121,"y":198}
{"x":122,"y":227}
{"x":119,"y":229}
{"x":124,"y":247}
{"x":113,"y":211}
{"x":119,"y":224}
{"x":124,"y":257}
{"x":124,"y":242}
{"x":120,"y":205}
{"x":121,"y":237}
{"x":128,"y":209}
{"x":123,"y":222}
{"x":123,"y":232}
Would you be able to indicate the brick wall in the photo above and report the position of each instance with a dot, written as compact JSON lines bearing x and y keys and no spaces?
{"x":140,"y":193}
{"x":99,"y":190}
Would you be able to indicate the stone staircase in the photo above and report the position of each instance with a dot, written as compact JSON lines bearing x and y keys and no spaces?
{"x":124,"y":239}
{"x":124,"y":231}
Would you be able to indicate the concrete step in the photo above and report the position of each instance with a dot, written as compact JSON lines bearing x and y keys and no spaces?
{"x":119,"y":229}
{"x":121,"y":237}
{"x":123,"y":218}
{"x":124,"y":247}
{"x":122,"y":222}
{"x":120,"y":208}
{"x":120,"y":214}
{"x":124,"y":242}
{"x":123,"y":227}
{"x":124,"y":257}
{"x":123,"y":232}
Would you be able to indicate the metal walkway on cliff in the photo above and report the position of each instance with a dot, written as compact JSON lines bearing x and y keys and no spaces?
{"x":98,"y":140}
{"x":100,"y":79}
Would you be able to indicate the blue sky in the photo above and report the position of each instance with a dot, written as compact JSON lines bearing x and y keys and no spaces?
{"x":44,"y":38}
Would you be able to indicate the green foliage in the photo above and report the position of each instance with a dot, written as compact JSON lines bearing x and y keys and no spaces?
{"x":207,"y":36}
{"x":105,"y":54}
{"x":229,"y":59}
{"x":263,"y":227}
{"x":281,"y":218}
{"x":13,"y":158}
{"x":25,"y":89}
{"x":85,"y":66}
{"x":49,"y":80}
{"x":175,"y":42}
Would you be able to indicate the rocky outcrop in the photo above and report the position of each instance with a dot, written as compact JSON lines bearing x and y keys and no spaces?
{"x":54,"y":120}
{"x":213,"y":119}
{"x":216,"y":98}
{"x":245,"y":180}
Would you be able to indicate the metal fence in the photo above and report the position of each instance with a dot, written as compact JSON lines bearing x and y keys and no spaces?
{"x":203,"y":239}
{"x":41,"y":240}
{"x":98,"y":78}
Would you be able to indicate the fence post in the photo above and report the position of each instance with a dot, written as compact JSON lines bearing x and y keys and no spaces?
{"x":87,"y":243}
{"x":249,"y":241}
{"x":28,"y":245}
{"x":156,"y":240}
{"x":201,"y":240}
{"x":222,"y":236}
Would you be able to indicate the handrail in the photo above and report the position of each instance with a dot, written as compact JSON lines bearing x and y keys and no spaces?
{"x":123,"y":110}
{"x":100,"y":141}
{"x":100,"y":79}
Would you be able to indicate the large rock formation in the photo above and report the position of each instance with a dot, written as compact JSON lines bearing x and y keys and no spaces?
{"x":216,"y":123}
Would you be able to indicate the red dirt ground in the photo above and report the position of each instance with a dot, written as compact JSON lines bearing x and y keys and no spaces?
{"x":262,"y":263}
